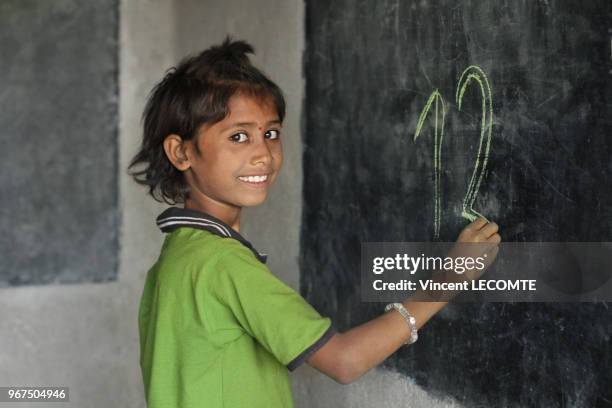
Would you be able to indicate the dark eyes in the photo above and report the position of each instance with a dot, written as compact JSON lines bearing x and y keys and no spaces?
{"x":272,"y":134}
{"x":239,"y":137}
{"x":242,"y":137}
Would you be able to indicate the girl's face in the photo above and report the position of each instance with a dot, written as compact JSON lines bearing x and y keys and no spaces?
{"x":239,"y":158}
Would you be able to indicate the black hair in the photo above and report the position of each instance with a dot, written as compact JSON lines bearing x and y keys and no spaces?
{"x":194,"y":93}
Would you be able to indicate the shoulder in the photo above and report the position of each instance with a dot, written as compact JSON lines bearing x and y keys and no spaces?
{"x":235,"y":264}
{"x":196,"y":246}
{"x":193,"y":246}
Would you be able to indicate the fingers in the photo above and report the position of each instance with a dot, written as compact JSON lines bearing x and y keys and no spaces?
{"x":478,"y":224}
{"x":489,"y":229}
{"x":480,"y":230}
{"x":495,"y":239}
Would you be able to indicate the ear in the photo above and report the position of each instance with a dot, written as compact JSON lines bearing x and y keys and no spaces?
{"x":176,"y":151}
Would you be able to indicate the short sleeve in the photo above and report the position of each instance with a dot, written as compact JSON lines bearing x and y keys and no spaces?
{"x":268,"y":309}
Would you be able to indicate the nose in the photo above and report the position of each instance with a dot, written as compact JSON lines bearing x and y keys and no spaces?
{"x":261,"y":152}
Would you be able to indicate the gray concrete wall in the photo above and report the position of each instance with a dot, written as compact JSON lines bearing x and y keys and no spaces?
{"x":85,"y":336}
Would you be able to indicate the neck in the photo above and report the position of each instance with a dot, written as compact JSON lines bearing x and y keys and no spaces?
{"x":228,"y":214}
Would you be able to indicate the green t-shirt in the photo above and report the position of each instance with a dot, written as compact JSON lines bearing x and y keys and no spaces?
{"x":217,"y":328}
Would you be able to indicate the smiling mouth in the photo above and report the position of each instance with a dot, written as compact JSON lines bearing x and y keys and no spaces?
{"x":254,"y":180}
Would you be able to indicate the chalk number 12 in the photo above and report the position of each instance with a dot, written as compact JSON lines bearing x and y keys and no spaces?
{"x":471,"y":73}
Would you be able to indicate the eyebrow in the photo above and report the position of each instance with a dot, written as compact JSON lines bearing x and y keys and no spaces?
{"x":252,"y":124}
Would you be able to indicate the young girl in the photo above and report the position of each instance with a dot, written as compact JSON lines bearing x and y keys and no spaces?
{"x":217,"y":328}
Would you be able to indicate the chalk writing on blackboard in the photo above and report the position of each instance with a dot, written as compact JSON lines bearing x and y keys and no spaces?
{"x":440,"y":115}
{"x":471,"y":73}
{"x":486,"y":126}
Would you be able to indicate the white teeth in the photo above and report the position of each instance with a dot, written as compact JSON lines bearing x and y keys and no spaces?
{"x":254,"y":179}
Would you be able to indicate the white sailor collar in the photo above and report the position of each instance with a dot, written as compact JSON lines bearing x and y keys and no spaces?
{"x":174,"y":217}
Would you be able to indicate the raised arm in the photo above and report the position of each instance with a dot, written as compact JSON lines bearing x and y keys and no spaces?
{"x":349,"y":355}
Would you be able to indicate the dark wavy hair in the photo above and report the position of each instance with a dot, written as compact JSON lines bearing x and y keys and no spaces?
{"x":194,"y":93}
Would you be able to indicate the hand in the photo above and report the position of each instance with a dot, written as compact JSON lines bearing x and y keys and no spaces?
{"x":480,"y":232}
{"x":476,"y":244}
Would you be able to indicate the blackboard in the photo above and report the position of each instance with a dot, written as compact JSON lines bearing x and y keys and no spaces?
{"x":524,"y":89}
{"x":58,"y":128}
